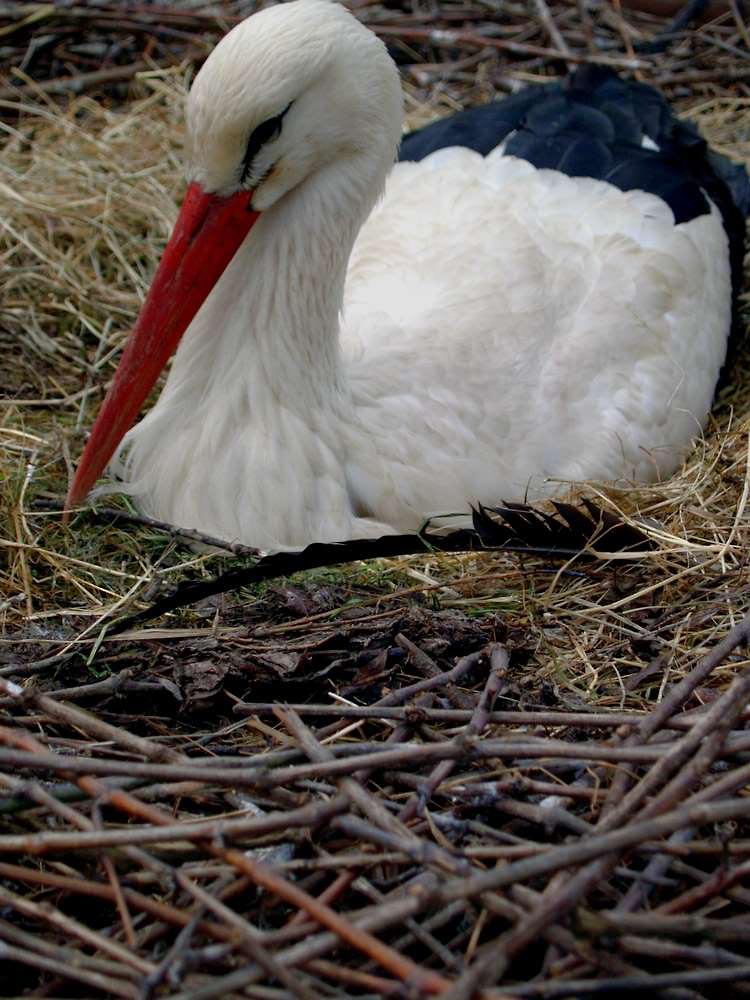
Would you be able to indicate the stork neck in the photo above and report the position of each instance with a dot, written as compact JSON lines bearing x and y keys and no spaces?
{"x":271,"y":325}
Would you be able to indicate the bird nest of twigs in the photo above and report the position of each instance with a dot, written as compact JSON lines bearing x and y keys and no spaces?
{"x":476,"y":774}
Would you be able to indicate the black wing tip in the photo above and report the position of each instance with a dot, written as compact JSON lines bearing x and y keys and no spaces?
{"x":510,"y":526}
{"x":542,"y":131}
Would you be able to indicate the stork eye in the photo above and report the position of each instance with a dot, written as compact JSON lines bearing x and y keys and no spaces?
{"x":260,"y":135}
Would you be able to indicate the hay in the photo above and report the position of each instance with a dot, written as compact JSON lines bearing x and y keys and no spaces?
{"x":88,"y":194}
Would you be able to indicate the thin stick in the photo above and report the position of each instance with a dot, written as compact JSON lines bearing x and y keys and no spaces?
{"x":111,"y":515}
{"x":498,"y":657}
{"x":455,"y":38}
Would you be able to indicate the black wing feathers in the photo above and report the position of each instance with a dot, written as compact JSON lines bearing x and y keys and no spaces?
{"x":511,"y":527}
{"x":594,"y":125}
{"x":480,"y":128}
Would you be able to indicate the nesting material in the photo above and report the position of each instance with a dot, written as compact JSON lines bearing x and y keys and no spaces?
{"x":558,"y":808}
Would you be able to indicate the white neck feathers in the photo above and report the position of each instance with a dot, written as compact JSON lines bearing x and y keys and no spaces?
{"x":271,"y":325}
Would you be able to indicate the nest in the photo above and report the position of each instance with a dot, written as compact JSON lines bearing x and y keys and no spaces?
{"x":472,"y":774}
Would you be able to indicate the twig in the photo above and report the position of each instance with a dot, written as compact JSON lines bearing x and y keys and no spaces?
{"x":245,"y":827}
{"x":560,"y":900}
{"x":256,"y":775}
{"x":385,"y":709}
{"x":719,"y":882}
{"x":109,"y":985}
{"x":498,"y":658}
{"x":401,"y":837}
{"x":74,"y":929}
{"x":592,"y":847}
{"x":649,"y":984}
{"x":545,"y":16}
{"x":111,"y":515}
{"x":427,"y":666}
{"x":453,"y":38}
{"x":80,"y":82}
{"x":705,"y":928}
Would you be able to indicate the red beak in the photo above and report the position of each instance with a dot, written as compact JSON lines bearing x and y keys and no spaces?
{"x":207,"y":234}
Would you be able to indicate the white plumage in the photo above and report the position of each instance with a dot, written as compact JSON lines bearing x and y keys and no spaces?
{"x":489,"y":329}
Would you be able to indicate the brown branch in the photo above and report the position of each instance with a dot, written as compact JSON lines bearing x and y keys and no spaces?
{"x":111,"y":515}
{"x":401,"y":836}
{"x":560,"y":900}
{"x":71,"y":927}
{"x":339,"y":886}
{"x":256,"y":775}
{"x":714,"y":885}
{"x":261,"y":875}
{"x":649,"y":984}
{"x":109,"y":985}
{"x":77,"y":84}
{"x":593,"y":847}
{"x":694,"y":926}
{"x":545,"y":16}
{"x":452,"y":39}
{"x":426,"y":665}
{"x":137,"y":900}
{"x":386,"y":709}
{"x":498,"y":658}
{"x":247,"y":827}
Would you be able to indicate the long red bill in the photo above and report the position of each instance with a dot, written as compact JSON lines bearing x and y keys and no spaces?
{"x":207,"y":234}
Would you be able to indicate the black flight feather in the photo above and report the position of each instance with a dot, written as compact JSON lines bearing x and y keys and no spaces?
{"x":510,"y":527}
{"x":593,"y":125}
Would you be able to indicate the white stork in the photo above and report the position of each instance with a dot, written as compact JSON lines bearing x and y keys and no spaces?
{"x":543,"y":295}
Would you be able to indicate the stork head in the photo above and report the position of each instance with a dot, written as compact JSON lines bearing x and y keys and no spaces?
{"x":289,"y":90}
{"x":287,"y":93}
